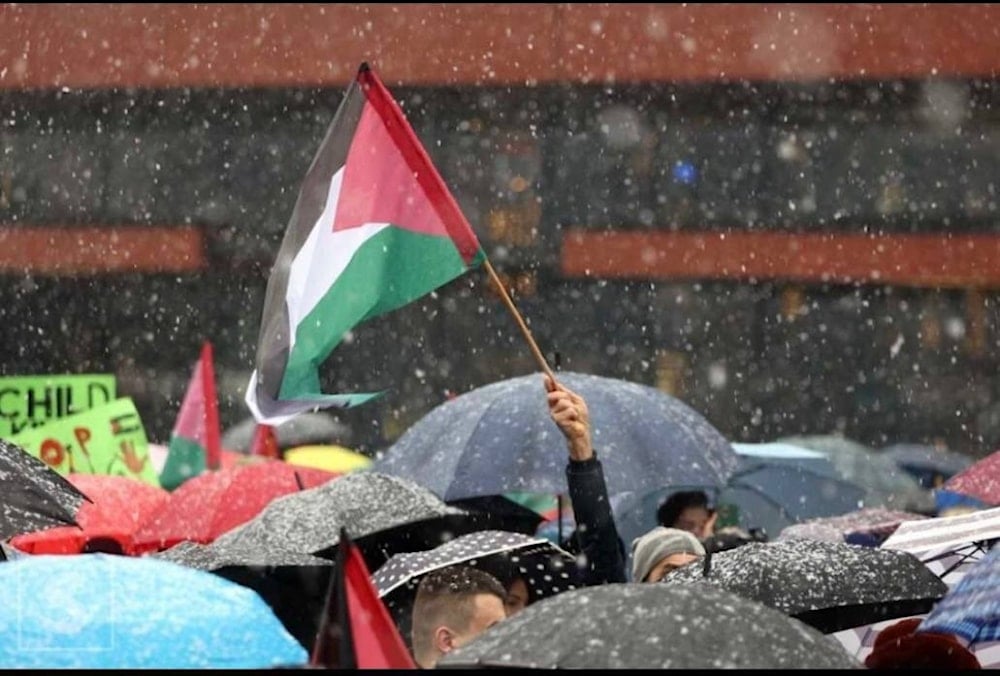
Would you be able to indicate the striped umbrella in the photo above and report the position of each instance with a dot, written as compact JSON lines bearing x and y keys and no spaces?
{"x":948,"y":545}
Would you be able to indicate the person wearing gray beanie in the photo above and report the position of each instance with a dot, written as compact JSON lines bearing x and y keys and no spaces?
{"x":661,"y":550}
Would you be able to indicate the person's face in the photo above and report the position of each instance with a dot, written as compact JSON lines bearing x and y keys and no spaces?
{"x":517,"y":597}
{"x":693,"y":520}
{"x":487,"y":611}
{"x":669,"y":563}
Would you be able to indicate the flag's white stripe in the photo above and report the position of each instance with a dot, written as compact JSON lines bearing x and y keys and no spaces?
{"x":322,"y":258}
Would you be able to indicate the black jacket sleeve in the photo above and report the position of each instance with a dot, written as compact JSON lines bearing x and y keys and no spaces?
{"x":596,"y":533}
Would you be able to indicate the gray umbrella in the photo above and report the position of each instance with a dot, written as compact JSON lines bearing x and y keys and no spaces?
{"x":384,"y":514}
{"x":650,"y":626}
{"x":500,"y":438}
{"x":830,"y":586}
{"x":216,"y":556}
{"x":302,"y":430}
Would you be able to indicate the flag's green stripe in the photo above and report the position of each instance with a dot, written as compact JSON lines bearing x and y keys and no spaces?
{"x":185,"y":459}
{"x":391,"y":269}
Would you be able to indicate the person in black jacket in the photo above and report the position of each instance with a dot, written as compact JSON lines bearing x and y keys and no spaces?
{"x":596,"y":534}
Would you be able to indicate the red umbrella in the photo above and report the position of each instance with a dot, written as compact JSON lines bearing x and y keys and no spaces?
{"x":206,"y":506}
{"x":980,"y":481}
{"x":119,"y":506}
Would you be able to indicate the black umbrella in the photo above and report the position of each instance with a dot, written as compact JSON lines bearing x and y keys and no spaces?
{"x":650,"y":626}
{"x":828,"y":585}
{"x":545,"y":568}
{"x":510,"y":515}
{"x":32,"y":495}
{"x":294,"y":585}
{"x":387,"y":514}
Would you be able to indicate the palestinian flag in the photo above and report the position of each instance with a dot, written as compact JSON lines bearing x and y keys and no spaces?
{"x":195,"y":443}
{"x":374,"y":228}
{"x":356,"y":630}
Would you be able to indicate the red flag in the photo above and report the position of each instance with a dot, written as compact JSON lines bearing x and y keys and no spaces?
{"x":356,"y":631}
{"x":195,"y":443}
{"x":265,"y":443}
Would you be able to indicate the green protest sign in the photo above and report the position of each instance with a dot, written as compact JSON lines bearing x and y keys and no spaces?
{"x":31,"y":401}
{"x":109,"y":439}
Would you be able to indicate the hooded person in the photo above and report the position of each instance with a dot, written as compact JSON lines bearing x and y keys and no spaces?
{"x":900,"y":646}
{"x":662,"y":550}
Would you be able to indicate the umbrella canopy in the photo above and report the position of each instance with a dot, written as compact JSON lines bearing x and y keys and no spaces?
{"x":384,"y":514}
{"x":302,"y":430}
{"x":980,"y":480}
{"x":115,"y":612}
{"x":971,"y":609}
{"x":119,"y":505}
{"x":869,"y":526}
{"x":292,"y":584}
{"x":500,"y":438}
{"x":650,"y":626}
{"x":927,"y":463}
{"x":887,"y":484}
{"x":491,"y":550}
{"x":32,"y":495}
{"x":830,"y":586}
{"x":943,"y":532}
{"x":210,"y":504}
{"x":331,"y":458}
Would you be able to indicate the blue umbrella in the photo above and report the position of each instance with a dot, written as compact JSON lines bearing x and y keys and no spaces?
{"x":887,"y":484}
{"x":972,"y":608}
{"x":500,"y":439}
{"x":925,"y":462}
{"x":96,"y":611}
{"x":775,"y":486}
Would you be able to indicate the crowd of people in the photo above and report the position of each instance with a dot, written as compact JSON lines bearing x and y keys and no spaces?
{"x":454,"y":605}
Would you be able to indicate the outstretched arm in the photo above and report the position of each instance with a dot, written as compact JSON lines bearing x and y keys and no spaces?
{"x":596,"y":531}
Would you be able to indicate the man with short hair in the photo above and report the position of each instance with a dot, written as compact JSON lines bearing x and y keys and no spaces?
{"x":453,"y":605}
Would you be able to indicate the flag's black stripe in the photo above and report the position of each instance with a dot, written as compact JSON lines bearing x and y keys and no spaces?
{"x":274,"y":341}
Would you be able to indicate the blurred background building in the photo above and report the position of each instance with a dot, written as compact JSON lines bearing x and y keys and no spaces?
{"x":784,"y":214}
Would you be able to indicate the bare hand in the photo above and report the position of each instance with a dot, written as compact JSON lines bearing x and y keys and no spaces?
{"x":570,"y":414}
{"x":709,"y":529}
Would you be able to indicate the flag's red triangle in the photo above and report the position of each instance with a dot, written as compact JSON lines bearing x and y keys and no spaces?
{"x":213,"y":433}
{"x":357,"y":631}
{"x":265,"y":443}
{"x":389,"y":177}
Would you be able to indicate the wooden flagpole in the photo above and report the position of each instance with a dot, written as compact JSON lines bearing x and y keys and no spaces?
{"x":520,"y":320}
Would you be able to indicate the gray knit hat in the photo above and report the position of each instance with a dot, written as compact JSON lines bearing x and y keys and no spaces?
{"x":658,"y":544}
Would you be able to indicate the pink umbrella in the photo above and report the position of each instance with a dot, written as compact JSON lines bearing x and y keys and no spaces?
{"x":980,"y":481}
{"x":206,"y":506}
{"x":870,"y":526}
